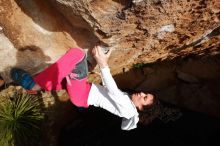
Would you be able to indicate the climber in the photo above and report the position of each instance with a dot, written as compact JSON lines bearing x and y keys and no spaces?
{"x":70,"y":73}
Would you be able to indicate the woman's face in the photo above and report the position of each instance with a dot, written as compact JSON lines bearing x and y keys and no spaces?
{"x":141,"y":99}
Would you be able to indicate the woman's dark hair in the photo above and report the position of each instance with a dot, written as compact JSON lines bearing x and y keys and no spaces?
{"x":149,"y":112}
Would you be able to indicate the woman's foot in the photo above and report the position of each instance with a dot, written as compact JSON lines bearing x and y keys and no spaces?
{"x":22,"y":78}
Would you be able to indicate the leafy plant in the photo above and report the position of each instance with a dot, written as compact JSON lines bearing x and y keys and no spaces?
{"x":139,"y":66}
{"x":20,"y":120}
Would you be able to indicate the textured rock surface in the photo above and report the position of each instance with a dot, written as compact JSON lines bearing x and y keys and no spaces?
{"x":138,"y":31}
{"x":146,"y":31}
{"x":35,"y":33}
{"x":176,"y":42}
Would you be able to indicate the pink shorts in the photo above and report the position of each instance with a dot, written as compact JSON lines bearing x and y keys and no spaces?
{"x":54,"y":78}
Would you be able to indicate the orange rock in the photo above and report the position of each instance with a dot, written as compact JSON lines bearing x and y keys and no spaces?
{"x":1,"y":82}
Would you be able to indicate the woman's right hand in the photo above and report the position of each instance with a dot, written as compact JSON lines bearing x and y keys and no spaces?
{"x":100,"y":57}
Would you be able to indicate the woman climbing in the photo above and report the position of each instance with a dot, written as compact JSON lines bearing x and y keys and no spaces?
{"x":70,"y":73}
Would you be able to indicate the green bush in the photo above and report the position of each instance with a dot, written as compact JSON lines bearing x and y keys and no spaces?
{"x":138,"y":66}
{"x":20,"y":120}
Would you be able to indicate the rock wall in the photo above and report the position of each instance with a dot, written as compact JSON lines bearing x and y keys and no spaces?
{"x":36,"y":33}
{"x":138,"y":31}
{"x":147,"y":30}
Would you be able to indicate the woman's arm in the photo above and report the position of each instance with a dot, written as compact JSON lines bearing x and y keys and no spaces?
{"x":102,"y":61}
{"x":124,"y":106}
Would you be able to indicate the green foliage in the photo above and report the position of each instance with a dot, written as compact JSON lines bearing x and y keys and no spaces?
{"x":139,"y":66}
{"x":20,"y":120}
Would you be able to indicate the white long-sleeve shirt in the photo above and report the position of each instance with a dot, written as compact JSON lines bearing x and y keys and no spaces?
{"x":112,"y":99}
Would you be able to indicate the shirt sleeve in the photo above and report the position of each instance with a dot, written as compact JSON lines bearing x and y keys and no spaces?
{"x":129,"y":124}
{"x":108,"y":81}
{"x":112,"y":99}
{"x":117,"y":98}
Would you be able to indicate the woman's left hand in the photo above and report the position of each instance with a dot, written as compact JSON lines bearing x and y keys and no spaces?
{"x":100,"y":57}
